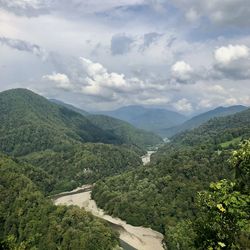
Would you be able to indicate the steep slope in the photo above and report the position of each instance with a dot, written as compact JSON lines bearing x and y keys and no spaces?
{"x":28,"y":220}
{"x":127,"y":133}
{"x":202,"y":118}
{"x":29,"y":122}
{"x":150,"y":119}
{"x":218,"y":130}
{"x":69,"y":106}
{"x":162,"y":194}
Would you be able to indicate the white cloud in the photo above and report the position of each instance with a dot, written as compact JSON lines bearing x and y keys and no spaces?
{"x":182,"y":71}
{"x":24,"y":4}
{"x":183,"y":105}
{"x":228,"y":12}
{"x":232,"y":62}
{"x":61,"y":80}
{"x":230,"y":53}
{"x":98,"y":80}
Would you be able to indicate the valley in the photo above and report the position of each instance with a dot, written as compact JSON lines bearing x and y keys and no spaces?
{"x":139,"y":238}
{"x":130,"y":187}
{"x":124,"y":125}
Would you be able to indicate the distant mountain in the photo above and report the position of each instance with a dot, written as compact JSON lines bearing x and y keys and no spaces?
{"x":127,"y":133}
{"x":150,"y":119}
{"x":202,"y":118}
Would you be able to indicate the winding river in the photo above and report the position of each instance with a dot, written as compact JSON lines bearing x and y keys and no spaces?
{"x":131,"y":237}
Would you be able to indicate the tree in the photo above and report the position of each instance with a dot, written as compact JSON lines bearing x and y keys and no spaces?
{"x":223,"y":217}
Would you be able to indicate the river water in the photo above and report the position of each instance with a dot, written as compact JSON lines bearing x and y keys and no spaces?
{"x":131,"y":237}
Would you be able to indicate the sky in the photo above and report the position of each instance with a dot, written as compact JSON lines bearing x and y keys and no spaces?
{"x":185,"y":55}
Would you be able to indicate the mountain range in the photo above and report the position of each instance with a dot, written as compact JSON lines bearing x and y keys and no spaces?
{"x":198,"y":120}
{"x":163,"y":122}
{"x":150,"y":119}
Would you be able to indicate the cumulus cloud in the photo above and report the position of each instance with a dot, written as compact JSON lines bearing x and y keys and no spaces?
{"x":226,"y":55}
{"x":181,"y":71}
{"x":24,"y":46}
{"x":232,"y":61}
{"x":101,"y":82}
{"x":61,"y":81}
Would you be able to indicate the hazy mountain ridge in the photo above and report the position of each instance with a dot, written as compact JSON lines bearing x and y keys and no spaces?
{"x":198,"y":120}
{"x":151,"y":119}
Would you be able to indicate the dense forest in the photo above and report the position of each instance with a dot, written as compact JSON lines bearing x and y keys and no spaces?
{"x":73,"y":166}
{"x":163,"y":195}
{"x":28,"y":220}
{"x":47,"y":148}
{"x":197,"y":183}
{"x":69,"y":147}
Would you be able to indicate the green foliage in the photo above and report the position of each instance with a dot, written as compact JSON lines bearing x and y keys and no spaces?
{"x":83,"y":163}
{"x":30,"y":123}
{"x":223,"y":215}
{"x":241,"y":162}
{"x":163,"y":194}
{"x":200,"y":119}
{"x":218,"y":130}
{"x":180,"y":236}
{"x":28,"y":220}
{"x":55,"y":139}
{"x":128,"y":134}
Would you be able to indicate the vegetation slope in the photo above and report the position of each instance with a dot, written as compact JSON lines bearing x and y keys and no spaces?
{"x":162,"y":195}
{"x":28,"y":220}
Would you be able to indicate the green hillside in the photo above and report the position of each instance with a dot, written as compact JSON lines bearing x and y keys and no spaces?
{"x":28,"y":220}
{"x":29,"y":123}
{"x":162,"y":195}
{"x":61,"y":142}
{"x":127,"y":133}
{"x":200,"y":119}
{"x":73,"y":166}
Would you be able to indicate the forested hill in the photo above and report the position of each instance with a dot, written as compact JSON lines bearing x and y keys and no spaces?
{"x":127,"y":133}
{"x":28,"y":220}
{"x":29,"y":123}
{"x":69,"y":106}
{"x":218,"y":130}
{"x":198,"y":120}
{"x":44,"y":149}
{"x":163,"y":194}
{"x":61,"y":142}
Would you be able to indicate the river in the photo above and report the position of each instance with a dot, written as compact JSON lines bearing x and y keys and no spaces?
{"x":146,"y":158}
{"x":131,"y":237}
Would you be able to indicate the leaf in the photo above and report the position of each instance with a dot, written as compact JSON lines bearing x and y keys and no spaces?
{"x":221,"y":208}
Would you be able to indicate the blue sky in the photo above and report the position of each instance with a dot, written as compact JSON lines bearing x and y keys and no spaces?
{"x":187,"y":56}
